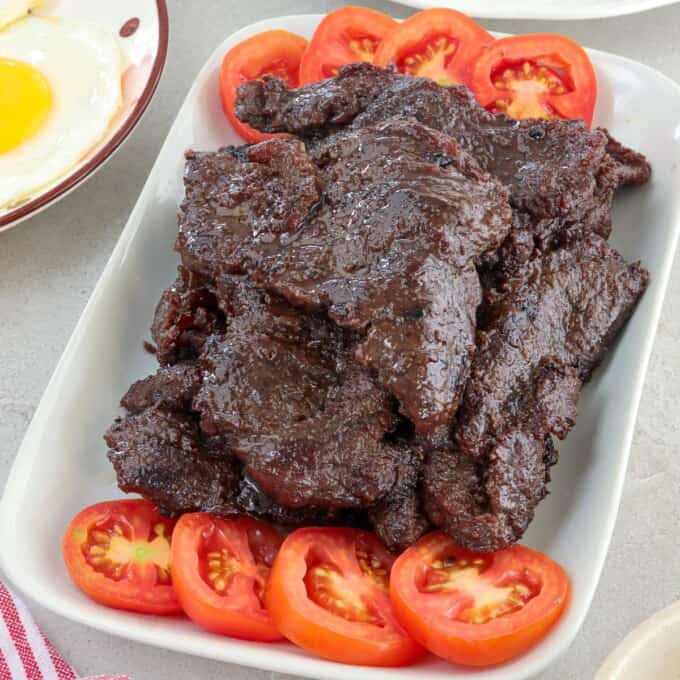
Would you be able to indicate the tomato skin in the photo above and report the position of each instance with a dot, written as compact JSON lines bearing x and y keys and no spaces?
{"x":320,"y":631}
{"x":277,"y":52}
{"x":238,"y":612}
{"x":333,"y":41}
{"x":426,"y":616}
{"x":579,"y":103}
{"x":412,"y":34}
{"x":138,"y":590}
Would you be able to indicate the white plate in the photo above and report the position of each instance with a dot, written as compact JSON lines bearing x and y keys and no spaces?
{"x":649,"y":651}
{"x":542,"y":9}
{"x":61,"y":466}
{"x":141,"y":27}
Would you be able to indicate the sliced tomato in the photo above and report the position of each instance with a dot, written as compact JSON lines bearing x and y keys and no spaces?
{"x":277,"y":53}
{"x":346,"y":36}
{"x":476,"y":609}
{"x":536,"y":76}
{"x":118,"y":553}
{"x":328,"y":593}
{"x":220,"y":570}
{"x":440,"y":44}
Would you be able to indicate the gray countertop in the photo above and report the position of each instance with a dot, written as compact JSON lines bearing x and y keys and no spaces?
{"x":49,"y":265}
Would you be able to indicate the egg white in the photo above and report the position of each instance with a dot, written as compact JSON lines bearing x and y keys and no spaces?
{"x":11,"y":10}
{"x":82,"y":63}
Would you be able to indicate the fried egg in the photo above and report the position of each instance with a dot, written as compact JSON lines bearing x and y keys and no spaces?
{"x":12,"y":10}
{"x":60,"y":87}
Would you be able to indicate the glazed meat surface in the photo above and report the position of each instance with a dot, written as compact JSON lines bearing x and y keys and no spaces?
{"x":568,"y":304}
{"x":255,"y":192}
{"x":186,"y":315}
{"x":336,"y":458}
{"x":172,"y":386}
{"x":399,"y":519}
{"x":158,"y":454}
{"x":539,"y":342}
{"x":560,"y":174}
{"x":388,"y":250}
{"x":487,"y":503}
{"x":384,"y":320}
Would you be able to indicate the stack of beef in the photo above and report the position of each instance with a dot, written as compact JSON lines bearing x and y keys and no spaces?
{"x":384,"y":318}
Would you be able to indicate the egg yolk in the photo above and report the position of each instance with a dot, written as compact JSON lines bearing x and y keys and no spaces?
{"x":25,"y":102}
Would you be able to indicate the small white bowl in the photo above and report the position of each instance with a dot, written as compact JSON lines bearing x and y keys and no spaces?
{"x":142,"y":30}
{"x":652,"y":650}
{"x":552,"y":10}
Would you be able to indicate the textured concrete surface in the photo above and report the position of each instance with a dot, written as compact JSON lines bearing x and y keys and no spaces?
{"x":49,"y":265}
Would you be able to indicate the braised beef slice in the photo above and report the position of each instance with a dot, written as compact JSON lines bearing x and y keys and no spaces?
{"x":186,"y":315}
{"x":398,"y":519}
{"x":255,"y":192}
{"x":253,"y":501}
{"x":402,"y":216}
{"x":158,"y":453}
{"x":171,"y":386}
{"x":254,"y":383}
{"x":552,"y":167}
{"x":421,"y":339}
{"x":487,"y":504}
{"x":568,"y":304}
{"x":336,"y":458}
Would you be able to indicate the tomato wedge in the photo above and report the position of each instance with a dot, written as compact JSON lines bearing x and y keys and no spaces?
{"x":220,"y":569}
{"x":346,"y":36}
{"x":273,"y":52}
{"x":328,"y":593}
{"x":476,"y":609}
{"x":440,"y":44}
{"x":536,"y":76}
{"x":118,"y":553}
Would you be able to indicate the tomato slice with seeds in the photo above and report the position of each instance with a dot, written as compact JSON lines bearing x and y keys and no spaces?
{"x":536,"y":76}
{"x":346,"y":36}
{"x":440,"y":44}
{"x":476,"y":609}
{"x":220,"y":569}
{"x":328,"y":593}
{"x":276,"y":53}
{"x":118,"y":553}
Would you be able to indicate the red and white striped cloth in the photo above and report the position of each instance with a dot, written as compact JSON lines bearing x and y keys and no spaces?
{"x":25,"y":653}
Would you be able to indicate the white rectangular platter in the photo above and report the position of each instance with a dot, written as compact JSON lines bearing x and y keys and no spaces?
{"x":61,"y":466}
{"x":542,"y":9}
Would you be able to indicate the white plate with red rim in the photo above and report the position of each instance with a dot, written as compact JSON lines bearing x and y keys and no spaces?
{"x":141,"y":30}
{"x":542,"y":9}
{"x":63,"y":456}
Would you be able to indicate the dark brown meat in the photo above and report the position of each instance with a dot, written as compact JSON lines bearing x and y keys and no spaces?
{"x":398,"y":519}
{"x":161,"y":455}
{"x":186,"y":315}
{"x":486,"y":505}
{"x":171,"y":386}
{"x":335,"y":458}
{"x":552,"y":167}
{"x":254,"y":502}
{"x":254,"y":383}
{"x":568,"y":304}
{"x":158,"y":454}
{"x":421,"y":339}
{"x":257,"y":192}
{"x":388,"y":249}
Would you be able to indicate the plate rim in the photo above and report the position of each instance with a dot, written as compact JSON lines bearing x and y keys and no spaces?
{"x":55,"y":600}
{"x":72,"y":181}
{"x":472,"y":7}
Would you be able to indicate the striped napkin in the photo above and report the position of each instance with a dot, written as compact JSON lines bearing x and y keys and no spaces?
{"x":25,"y":653}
